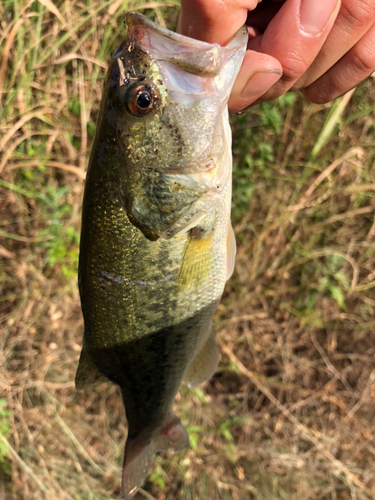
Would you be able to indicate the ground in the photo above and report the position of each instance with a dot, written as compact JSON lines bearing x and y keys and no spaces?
{"x":289,"y":414}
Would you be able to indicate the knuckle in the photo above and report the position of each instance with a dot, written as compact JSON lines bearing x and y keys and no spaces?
{"x":294,"y":67}
{"x":277,"y":91}
{"x":363,"y":64}
{"x":358,"y":13}
{"x":315,"y":97}
{"x":335,"y":87}
{"x":363,"y":56}
{"x":321,"y":92}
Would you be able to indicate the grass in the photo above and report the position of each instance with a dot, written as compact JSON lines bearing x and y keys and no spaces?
{"x":289,"y":414}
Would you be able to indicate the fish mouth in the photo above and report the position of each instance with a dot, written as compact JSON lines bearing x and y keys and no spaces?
{"x":193,"y":56}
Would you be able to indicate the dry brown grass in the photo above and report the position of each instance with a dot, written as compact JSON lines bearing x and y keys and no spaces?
{"x":289,"y":414}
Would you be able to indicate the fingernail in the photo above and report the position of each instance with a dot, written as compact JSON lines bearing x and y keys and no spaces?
{"x":260,"y":83}
{"x":315,"y":15}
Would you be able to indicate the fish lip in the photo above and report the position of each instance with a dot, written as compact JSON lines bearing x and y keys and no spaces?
{"x":193,"y":56}
{"x":133,"y":19}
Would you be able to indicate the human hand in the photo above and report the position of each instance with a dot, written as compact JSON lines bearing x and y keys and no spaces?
{"x":322,"y":48}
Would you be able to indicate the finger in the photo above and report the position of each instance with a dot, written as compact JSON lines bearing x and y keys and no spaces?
{"x":348,"y":72}
{"x":213,"y":21}
{"x":355,"y":18}
{"x":259,"y":72}
{"x":294,"y":37}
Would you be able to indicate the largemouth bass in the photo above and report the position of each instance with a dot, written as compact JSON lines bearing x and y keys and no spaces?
{"x":157,"y":244}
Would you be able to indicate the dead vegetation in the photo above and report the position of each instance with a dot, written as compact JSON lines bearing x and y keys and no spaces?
{"x":290,"y":412}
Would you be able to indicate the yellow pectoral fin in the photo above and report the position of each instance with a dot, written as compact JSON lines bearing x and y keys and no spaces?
{"x":197,"y":262}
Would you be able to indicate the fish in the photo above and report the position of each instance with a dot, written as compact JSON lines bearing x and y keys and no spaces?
{"x":157,"y":245}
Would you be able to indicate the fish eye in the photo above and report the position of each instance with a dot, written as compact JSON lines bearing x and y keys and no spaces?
{"x":140,"y":100}
{"x":144,"y":100}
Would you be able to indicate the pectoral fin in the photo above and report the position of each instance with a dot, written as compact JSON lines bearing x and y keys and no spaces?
{"x":197,"y":262}
{"x":204,"y":364}
{"x":88,"y":374}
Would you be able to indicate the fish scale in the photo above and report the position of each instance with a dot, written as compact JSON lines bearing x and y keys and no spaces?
{"x":156,"y":243}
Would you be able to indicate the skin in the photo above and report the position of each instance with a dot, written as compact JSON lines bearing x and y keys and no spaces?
{"x":323,"y":53}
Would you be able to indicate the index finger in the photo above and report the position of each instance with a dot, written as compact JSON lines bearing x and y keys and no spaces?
{"x":213,"y":21}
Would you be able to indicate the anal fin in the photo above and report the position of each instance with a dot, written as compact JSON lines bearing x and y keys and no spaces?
{"x":88,"y":374}
{"x":205,"y":362}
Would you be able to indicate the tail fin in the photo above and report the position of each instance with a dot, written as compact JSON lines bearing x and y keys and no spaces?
{"x":140,"y":451}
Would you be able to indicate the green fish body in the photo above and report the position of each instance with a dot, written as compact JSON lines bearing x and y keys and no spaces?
{"x":157,"y":245}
